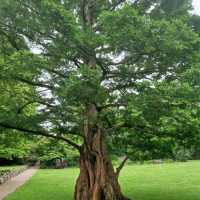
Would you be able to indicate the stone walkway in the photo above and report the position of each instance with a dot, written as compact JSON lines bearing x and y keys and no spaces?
{"x":11,"y":185}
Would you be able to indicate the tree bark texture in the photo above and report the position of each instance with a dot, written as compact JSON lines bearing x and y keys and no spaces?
{"x":97,"y":179}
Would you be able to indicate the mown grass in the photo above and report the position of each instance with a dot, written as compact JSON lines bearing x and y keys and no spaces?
{"x":179,"y":181}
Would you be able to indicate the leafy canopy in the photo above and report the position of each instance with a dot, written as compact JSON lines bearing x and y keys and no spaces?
{"x":129,"y":58}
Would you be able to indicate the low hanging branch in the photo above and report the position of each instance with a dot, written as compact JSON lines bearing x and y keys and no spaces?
{"x":41,"y":133}
{"x":118,"y":169}
{"x":19,"y":110}
{"x":29,"y":82}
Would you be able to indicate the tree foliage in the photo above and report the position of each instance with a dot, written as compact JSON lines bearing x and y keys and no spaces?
{"x":83,"y":71}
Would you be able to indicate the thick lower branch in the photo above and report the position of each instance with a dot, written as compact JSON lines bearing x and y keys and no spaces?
{"x":41,"y":133}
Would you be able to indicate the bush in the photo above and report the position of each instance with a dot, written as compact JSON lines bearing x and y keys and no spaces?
{"x":5,"y":171}
{"x":59,"y":162}
{"x":72,"y":160}
{"x":182,"y":154}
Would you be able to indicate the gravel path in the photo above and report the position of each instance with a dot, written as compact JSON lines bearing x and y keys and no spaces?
{"x":11,"y":185}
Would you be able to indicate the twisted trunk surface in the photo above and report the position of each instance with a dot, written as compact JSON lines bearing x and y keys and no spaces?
{"x":97,"y":179}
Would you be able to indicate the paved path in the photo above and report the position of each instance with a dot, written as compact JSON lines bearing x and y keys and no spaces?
{"x":11,"y":185}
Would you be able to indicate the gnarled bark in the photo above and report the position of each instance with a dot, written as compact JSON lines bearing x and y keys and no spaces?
{"x":97,"y":179}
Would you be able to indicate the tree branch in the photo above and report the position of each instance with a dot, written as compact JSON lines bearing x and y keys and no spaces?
{"x":110,"y":105}
{"x":118,"y":169}
{"x":11,"y":40}
{"x":136,"y":2}
{"x":125,"y":86}
{"x":125,"y":125}
{"x":117,"y":4}
{"x":33,"y":102}
{"x":40,"y":133}
{"x":54,"y":71}
{"x":39,"y":84}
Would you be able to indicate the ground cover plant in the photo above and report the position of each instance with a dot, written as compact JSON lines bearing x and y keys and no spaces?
{"x":10,"y":167}
{"x":7,"y":169}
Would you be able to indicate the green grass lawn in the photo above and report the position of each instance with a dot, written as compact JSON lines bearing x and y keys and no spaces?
{"x":180,"y":181}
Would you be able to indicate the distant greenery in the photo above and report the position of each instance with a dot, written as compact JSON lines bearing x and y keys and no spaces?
{"x":179,"y":181}
{"x":14,"y":146}
{"x":8,"y":169}
{"x":48,"y":151}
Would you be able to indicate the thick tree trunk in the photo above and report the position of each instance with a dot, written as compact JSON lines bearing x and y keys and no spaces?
{"x":97,"y":179}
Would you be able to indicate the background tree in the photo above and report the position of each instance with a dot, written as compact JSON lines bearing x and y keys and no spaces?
{"x":53,"y":154}
{"x":83,"y":62}
{"x":14,"y":148}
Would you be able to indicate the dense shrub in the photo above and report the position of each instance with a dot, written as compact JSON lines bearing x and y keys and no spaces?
{"x":4,"y":171}
{"x":182,"y":154}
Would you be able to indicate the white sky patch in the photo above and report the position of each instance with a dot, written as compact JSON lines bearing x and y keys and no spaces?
{"x":196,"y":5}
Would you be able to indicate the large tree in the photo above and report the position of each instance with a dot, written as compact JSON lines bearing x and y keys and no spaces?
{"x":81,"y":62}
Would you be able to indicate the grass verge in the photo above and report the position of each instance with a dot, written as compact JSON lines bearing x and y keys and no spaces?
{"x":175,"y":181}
